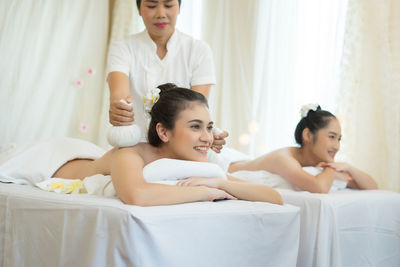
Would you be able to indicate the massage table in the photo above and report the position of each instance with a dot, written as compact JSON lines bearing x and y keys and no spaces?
{"x":40,"y":228}
{"x":348,"y":228}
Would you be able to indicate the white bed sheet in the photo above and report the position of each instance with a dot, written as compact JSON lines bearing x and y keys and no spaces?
{"x":39,"y":228}
{"x":348,"y":228}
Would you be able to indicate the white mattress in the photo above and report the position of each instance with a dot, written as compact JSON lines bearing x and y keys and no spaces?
{"x":39,"y":228}
{"x":348,"y":228}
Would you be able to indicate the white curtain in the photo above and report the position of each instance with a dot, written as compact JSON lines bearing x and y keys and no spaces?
{"x":369,"y":106}
{"x":51,"y":69}
{"x":229,"y":28}
{"x":271,"y":58}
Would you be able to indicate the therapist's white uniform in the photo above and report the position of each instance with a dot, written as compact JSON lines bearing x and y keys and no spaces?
{"x":188,"y":62}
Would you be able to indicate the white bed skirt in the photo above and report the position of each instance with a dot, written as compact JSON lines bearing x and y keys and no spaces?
{"x":39,"y":228}
{"x":348,"y":228}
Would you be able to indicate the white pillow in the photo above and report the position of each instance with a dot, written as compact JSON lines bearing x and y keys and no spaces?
{"x":173,"y":169}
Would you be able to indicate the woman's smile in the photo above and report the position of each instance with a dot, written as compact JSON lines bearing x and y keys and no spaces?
{"x":161,"y":24}
{"x":332,"y":154}
{"x":202,"y":149}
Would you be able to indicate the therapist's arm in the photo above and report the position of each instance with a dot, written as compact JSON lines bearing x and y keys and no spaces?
{"x":120,"y":114}
{"x":203,"y":89}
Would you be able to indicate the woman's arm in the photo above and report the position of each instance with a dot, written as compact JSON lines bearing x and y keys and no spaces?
{"x":127,"y":176}
{"x":238,"y":188}
{"x":250,"y":191}
{"x":120,"y":114}
{"x":289,"y":168}
{"x":360,"y":179}
{"x":203,"y":89}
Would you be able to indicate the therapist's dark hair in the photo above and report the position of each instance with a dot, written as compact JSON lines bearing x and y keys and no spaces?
{"x":173,"y":100}
{"x":314,"y":121}
{"x":138,"y":2}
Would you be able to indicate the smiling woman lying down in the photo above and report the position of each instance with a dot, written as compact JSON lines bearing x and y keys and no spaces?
{"x":318,"y":134}
{"x":180,"y":128}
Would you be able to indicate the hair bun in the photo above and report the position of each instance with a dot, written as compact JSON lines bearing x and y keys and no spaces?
{"x":304,"y":111}
{"x":166,"y":86}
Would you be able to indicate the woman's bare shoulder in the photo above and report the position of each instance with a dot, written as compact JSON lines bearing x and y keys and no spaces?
{"x":103,"y":164}
{"x":141,"y":150}
{"x":283,"y":152}
{"x":282,"y":158}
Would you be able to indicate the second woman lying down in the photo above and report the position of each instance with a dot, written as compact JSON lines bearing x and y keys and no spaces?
{"x":318,"y":135}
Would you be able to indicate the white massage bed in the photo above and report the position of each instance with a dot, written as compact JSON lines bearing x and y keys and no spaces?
{"x":348,"y":228}
{"x":344,"y":228}
{"x":339,"y":229}
{"x":39,"y":228}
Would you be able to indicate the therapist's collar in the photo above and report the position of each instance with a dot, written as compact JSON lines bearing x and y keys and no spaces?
{"x":171,"y":43}
{"x":172,"y":40}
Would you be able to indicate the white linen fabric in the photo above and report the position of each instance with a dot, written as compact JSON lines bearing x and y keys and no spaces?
{"x":226,"y":157}
{"x":42,"y":160}
{"x":348,"y":228}
{"x":40,"y":228}
{"x":173,"y":169}
{"x":187,"y":63}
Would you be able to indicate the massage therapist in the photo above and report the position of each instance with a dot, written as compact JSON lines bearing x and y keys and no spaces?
{"x":160,"y":54}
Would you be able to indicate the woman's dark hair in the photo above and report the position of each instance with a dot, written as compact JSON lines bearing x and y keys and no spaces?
{"x":138,"y":2}
{"x":172,"y":101}
{"x":314,"y":121}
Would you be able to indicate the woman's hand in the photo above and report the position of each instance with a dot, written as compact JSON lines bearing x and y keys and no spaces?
{"x":196,"y":181}
{"x":219,"y":141}
{"x":358,"y":178}
{"x":120,"y":113}
{"x":338,"y":166}
{"x":343,"y":176}
{"x":217,"y":194}
{"x":342,"y":170}
{"x":212,"y":184}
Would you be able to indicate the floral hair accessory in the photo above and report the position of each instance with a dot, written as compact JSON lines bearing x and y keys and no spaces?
{"x":306,"y":108}
{"x":151,"y":98}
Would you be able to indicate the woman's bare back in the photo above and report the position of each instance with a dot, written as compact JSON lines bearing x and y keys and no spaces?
{"x":81,"y":168}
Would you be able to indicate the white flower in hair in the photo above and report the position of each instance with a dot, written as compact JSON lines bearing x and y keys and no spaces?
{"x":151,"y":98}
{"x":306,"y":108}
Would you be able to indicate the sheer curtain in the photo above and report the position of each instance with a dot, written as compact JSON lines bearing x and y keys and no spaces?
{"x":230,"y":29}
{"x":272,"y":57}
{"x":369,"y":106}
{"x":51,"y":69}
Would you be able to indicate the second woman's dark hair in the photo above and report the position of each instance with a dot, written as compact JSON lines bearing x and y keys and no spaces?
{"x":314,"y":121}
{"x":172,"y":101}
{"x":138,"y":2}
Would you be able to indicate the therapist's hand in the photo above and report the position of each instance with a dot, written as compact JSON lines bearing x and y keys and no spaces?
{"x":120,"y":113}
{"x":219,"y":141}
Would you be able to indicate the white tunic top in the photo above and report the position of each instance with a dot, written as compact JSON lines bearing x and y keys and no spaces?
{"x":187,"y":63}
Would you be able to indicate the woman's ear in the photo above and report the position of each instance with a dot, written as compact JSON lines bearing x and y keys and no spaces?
{"x":307,"y":136}
{"x":163,"y":133}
